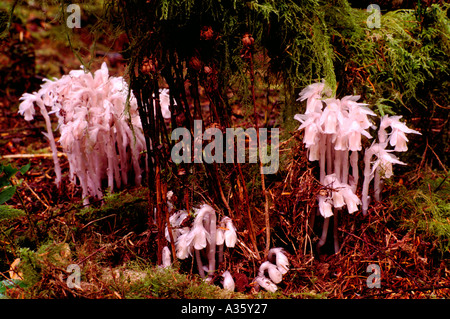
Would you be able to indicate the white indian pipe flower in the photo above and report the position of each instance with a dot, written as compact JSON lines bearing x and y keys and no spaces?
{"x":164,"y":101}
{"x":331,"y":116}
{"x":175,"y":221}
{"x":198,"y":236}
{"x":274,"y":273}
{"x":325,"y":207}
{"x":183,"y":246}
{"x":342,"y":194}
{"x":384,"y":160}
{"x":313,"y":93}
{"x":338,"y":199}
{"x":357,"y":111}
{"x":202,"y":235}
{"x":230,"y":232}
{"x":351,"y":199}
{"x":277,"y":256}
{"x":310,"y":122}
{"x":228,"y":282}
{"x":92,"y":121}
{"x":354,"y":132}
{"x":266,"y":283}
{"x":397,"y":137}
{"x":26,"y":108}
{"x":220,"y":238}
{"x":166,"y":262}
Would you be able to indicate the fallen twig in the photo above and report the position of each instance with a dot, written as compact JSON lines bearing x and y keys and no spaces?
{"x":60,"y":154}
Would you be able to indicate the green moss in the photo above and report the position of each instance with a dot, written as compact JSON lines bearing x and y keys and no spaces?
{"x":426,"y":210}
{"x":126,"y":207}
{"x":8,"y":213}
{"x":170,"y":283}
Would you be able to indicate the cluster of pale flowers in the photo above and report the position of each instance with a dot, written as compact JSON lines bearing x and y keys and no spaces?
{"x":276,"y":266}
{"x":205,"y":234}
{"x":332,"y":129}
{"x":99,"y":125}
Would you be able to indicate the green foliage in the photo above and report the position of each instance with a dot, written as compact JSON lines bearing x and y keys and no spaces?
{"x":34,"y":264}
{"x":126,"y":207}
{"x":8,"y":284}
{"x":170,"y":283}
{"x":7,"y":212}
{"x":7,"y":190}
{"x":427,"y":210}
{"x":400,"y":59}
{"x":401,"y":68}
{"x":30,"y":266}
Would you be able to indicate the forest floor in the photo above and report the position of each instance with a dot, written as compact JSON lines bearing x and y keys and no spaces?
{"x":110,"y":240}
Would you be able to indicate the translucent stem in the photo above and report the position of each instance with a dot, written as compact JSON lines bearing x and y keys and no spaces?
{"x":355,"y":172}
{"x":335,"y":231}
{"x":323,"y":238}
{"x":199,"y":263}
{"x":367,"y":178}
{"x":322,"y":151}
{"x":377,"y":184}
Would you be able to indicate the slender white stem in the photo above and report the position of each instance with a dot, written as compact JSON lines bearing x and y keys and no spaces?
{"x":207,"y":215}
{"x":338,"y":164}
{"x":367,"y":178}
{"x":51,"y":139}
{"x":330,"y":155}
{"x":199,"y":263}
{"x":212,"y":244}
{"x":335,"y":230}
{"x":322,"y":152}
{"x":377,"y":184}
{"x":355,"y":172}
{"x":344,"y":173}
{"x":323,"y":238}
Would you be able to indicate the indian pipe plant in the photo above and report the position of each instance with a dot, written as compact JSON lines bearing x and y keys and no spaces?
{"x":99,"y":125}
{"x":333,"y":131}
{"x":204,"y":235}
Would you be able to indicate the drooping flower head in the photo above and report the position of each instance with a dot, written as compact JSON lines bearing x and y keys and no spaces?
{"x":397,"y":137}
{"x":278,"y":257}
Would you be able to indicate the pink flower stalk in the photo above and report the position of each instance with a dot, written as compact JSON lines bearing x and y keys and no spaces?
{"x":332,"y":132}
{"x":202,"y":235}
{"x":331,"y":118}
{"x":341,"y":195}
{"x":325,"y":206}
{"x":175,"y":221}
{"x":384,"y":161}
{"x":26,"y":108}
{"x":183,"y":246}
